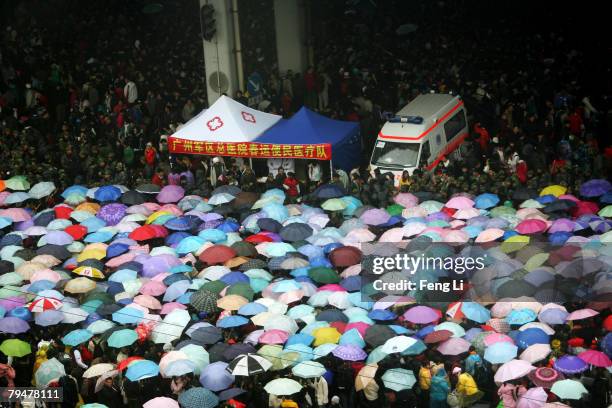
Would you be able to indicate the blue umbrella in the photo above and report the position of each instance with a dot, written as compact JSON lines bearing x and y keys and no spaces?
{"x":276,"y":211}
{"x":521,"y":316}
{"x":329,"y":191}
{"x":141,"y":369}
{"x":595,"y":188}
{"x":75,"y":189}
{"x":190,"y":244}
{"x":107,"y":193}
{"x":558,"y":238}
{"x":128,"y":315}
{"x":229,"y":226}
{"x":352,"y":283}
{"x":49,"y":318}
{"x":382,"y":315}
{"x":606,"y":344}
{"x":475,"y":312}
{"x":416,"y":349}
{"x":500,"y":353}
{"x":215,"y":377}
{"x":532,"y":336}
{"x":123,"y":275}
{"x":306,"y":353}
{"x":232,"y":321}
{"x":179,"y":224}
{"x":486,"y":200}
{"x":176,"y":237}
{"x":76,"y":337}
{"x":300,"y":338}
{"x":198,"y":397}
{"x":93,"y":224}
{"x":213,"y":235}
{"x":234,"y":277}
{"x":251,"y":309}
{"x":179,"y":367}
{"x":553,"y":316}
{"x":352,"y":337}
{"x":176,"y":289}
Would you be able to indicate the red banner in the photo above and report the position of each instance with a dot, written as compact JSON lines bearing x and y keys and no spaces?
{"x":254,"y":150}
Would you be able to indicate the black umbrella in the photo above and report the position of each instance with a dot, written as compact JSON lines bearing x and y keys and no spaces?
{"x":424,"y":195}
{"x":148,"y":188}
{"x":132,"y":198}
{"x":253,"y":264}
{"x":224,"y":209}
{"x":244,"y":248}
{"x":227,"y":189}
{"x":215,"y":353}
{"x":514,"y":289}
{"x":296,"y":231}
{"x":329,"y":191}
{"x":184,"y":343}
{"x":237,"y":349}
{"x":378,"y":334}
{"x":109,"y":309}
{"x":523,"y":193}
{"x":332,"y":315}
{"x":269,"y":224}
{"x":93,"y":263}
{"x":25,"y":254}
{"x":230,"y":393}
{"x":57,"y":251}
{"x":204,"y":301}
{"x":559,"y":205}
{"x":133,"y":265}
{"x":6,"y":266}
{"x":44,"y":218}
{"x":244,"y":200}
{"x":207,"y":335}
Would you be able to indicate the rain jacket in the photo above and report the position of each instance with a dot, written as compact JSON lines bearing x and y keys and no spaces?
{"x":424,"y":378}
{"x":466,"y":384}
{"x":439,"y":386}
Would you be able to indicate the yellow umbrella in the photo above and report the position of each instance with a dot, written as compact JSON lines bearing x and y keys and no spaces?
{"x":80,"y":285}
{"x":236,"y":262}
{"x":536,"y":261}
{"x":324,"y":335}
{"x":27,"y":269}
{"x":92,"y":208}
{"x":89,"y":272}
{"x":555,"y":190}
{"x":156,"y":215}
{"x":95,"y":246}
{"x":91,"y":254}
{"x":365,"y":376}
{"x":48,"y":260}
{"x":514,"y":243}
{"x":271,"y":352}
{"x":232,"y":302}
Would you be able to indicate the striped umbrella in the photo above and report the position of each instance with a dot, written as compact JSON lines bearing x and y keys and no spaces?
{"x":248,"y":364}
{"x":44,"y":303}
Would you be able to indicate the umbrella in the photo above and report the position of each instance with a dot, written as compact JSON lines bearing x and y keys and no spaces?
{"x":295,"y":232}
{"x":397,"y":344}
{"x":107,"y":193}
{"x":545,"y":377}
{"x":163,"y":402}
{"x":398,"y":379}
{"x":595,"y":188}
{"x":500,"y":353}
{"x":581,"y":314}
{"x":122,"y":338}
{"x":197,"y":397}
{"x":327,"y":191}
{"x":569,"y":389}
{"x":76,"y":337}
{"x":349,"y":353}
{"x":170,"y":194}
{"x":422,"y":315}
{"x":248,"y":364}
{"x":215,"y":376}
{"x":454,"y":346}
{"x":570,"y":364}
{"x":48,"y":371}
{"x":309,"y":369}
{"x":17,"y":183}
{"x":283,"y":386}
{"x":533,"y":398}
{"x":535,"y":353}
{"x":15,"y":348}
{"x":512,"y":370}
{"x":141,"y":369}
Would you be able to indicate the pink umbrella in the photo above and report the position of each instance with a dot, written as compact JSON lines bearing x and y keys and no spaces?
{"x":456,"y":237}
{"x":581,"y":314}
{"x":161,"y":402}
{"x":153,"y":288}
{"x":489,"y":235}
{"x":331,"y":287}
{"x":454,"y":346}
{"x":148,"y":302}
{"x":15,"y":214}
{"x":291,"y":296}
{"x":422,"y":315}
{"x":457,"y":223}
{"x":499,"y":325}
{"x":531,"y":226}
{"x":3,"y":196}
{"x":169,"y":307}
{"x":459,"y":203}
{"x":497,"y":338}
{"x":46,"y":274}
{"x":360,"y":235}
{"x":568,"y":197}
{"x":170,"y":194}
{"x":562,"y":225}
{"x":414,"y":228}
{"x":466,"y":214}
{"x":392,"y":235}
{"x":512,"y":370}
{"x":406,"y":199}
{"x":172,"y":209}
{"x":535,"y":353}
{"x":361,"y":327}
{"x":274,"y":336}
{"x":140,"y":209}
{"x":501,"y":309}
{"x":596,"y":358}
{"x":533,"y":398}
{"x":121,"y":259}
{"x":375,"y":216}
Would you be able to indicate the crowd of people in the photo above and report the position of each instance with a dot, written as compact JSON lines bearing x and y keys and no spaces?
{"x":90,"y":98}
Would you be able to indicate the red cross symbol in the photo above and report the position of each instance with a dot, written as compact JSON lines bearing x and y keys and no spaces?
{"x":214,"y":124}
{"x":248,"y":117}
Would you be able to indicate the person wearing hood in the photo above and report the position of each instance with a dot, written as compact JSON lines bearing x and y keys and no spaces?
{"x":439,"y":389}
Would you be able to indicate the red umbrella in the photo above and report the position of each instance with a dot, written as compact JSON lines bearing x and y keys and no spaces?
{"x":160,"y":231}
{"x":217,"y":254}
{"x":125,"y":363}
{"x":63,"y":211}
{"x":76,"y":231}
{"x":438,"y":336}
{"x":583,"y":208}
{"x":258,"y":239}
{"x":531,"y":226}
{"x":143,"y":233}
{"x":340,"y":326}
{"x":345,"y":256}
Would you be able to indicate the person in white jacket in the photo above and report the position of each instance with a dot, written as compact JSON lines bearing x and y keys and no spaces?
{"x":130,"y":92}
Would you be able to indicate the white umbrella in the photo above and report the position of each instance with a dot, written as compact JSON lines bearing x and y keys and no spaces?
{"x":98,"y":369}
{"x":397,"y":344}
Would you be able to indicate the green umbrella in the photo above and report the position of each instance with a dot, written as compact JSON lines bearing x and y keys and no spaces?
{"x":243,"y":289}
{"x":398,"y":379}
{"x":569,"y":389}
{"x":104,"y":297}
{"x":205,"y":300}
{"x":213,"y":286}
{"x":606,"y":211}
{"x":197,"y":355}
{"x":395,"y":209}
{"x":431,"y":206}
{"x":283,"y":386}
{"x":502,"y":211}
{"x":334,"y":204}
{"x":122,"y":338}
{"x":309,"y":369}
{"x":17,"y":183}
{"x":48,"y":371}
{"x":15,"y":348}
{"x":323,"y":275}
{"x":11,"y":291}
{"x":272,"y":352}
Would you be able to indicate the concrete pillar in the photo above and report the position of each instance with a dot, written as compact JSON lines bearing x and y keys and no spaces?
{"x":289,"y":22}
{"x":219,"y":55}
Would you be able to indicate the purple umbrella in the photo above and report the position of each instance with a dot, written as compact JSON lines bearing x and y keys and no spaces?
{"x":112,"y":213}
{"x":158,"y":264}
{"x":58,"y":238}
{"x":350,"y":353}
{"x":570,"y":365}
{"x":438,"y":216}
{"x":49,"y":318}
{"x":170,"y":194}
{"x":215,"y":378}
{"x":13,"y":325}
{"x":595,"y":188}
{"x":601,"y":226}
{"x":562,"y":225}
{"x":454,"y":346}
{"x":375,"y":216}
{"x":553,"y":316}
{"x":497,"y":223}
{"x":12,"y":302}
{"x":479,"y":221}
{"x":422,"y":315}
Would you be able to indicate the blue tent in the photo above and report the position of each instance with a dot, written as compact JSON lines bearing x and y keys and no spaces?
{"x":308,"y":127}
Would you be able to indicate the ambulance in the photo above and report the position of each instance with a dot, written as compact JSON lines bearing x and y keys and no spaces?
{"x":421,"y":134}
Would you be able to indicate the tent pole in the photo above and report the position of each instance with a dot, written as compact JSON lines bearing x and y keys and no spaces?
{"x":331,"y":170}
{"x":251,"y":162}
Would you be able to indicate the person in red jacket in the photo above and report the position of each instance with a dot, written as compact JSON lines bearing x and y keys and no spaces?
{"x":521,"y":171}
{"x":483,"y":136}
{"x":292,"y":186}
{"x":150,"y":156}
